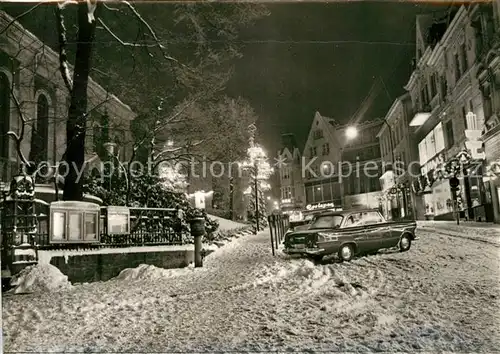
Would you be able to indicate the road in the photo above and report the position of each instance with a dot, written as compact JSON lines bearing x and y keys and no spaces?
{"x":441,"y":295}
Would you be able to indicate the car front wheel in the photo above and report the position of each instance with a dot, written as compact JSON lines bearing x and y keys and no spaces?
{"x":404,"y":243}
{"x":346,"y":253}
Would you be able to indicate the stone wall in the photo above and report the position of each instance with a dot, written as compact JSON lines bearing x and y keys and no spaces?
{"x":85,"y":268}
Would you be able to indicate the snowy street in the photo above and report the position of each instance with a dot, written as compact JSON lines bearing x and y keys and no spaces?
{"x":441,"y":295}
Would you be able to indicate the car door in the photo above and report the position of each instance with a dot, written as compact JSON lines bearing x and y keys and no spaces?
{"x":354,"y":230}
{"x":376,"y":230}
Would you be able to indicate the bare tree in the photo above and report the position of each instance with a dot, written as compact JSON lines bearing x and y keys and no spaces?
{"x":199,"y":24}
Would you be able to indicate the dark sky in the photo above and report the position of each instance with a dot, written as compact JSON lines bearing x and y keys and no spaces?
{"x":295,"y":63}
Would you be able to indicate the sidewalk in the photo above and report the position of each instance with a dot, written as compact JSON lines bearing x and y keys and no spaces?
{"x":477,"y":231}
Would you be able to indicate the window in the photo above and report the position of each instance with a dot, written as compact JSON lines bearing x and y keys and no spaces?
{"x":318,"y":195}
{"x":433,"y":80}
{"x":444,"y":86}
{"x":487,"y":103}
{"x":458,"y":74}
{"x":40,"y":133}
{"x":463,"y":59}
{"x":318,"y":134}
{"x":326,"y":149}
{"x":354,"y":220}
{"x":371,"y":218}
{"x":362,"y":184}
{"x":4,"y":116}
{"x":309,"y":195}
{"x":374,"y":184}
{"x":464,"y":116}
{"x":327,"y":192}
{"x":326,"y":222}
{"x":285,"y":173}
{"x":450,"y":140}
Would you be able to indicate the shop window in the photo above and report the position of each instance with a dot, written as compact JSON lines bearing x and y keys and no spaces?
{"x":327,"y":192}
{"x":318,"y":193}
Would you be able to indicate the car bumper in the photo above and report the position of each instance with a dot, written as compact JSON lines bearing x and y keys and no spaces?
{"x":311,"y":251}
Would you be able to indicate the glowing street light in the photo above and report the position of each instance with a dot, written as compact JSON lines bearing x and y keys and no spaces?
{"x":351,"y":132}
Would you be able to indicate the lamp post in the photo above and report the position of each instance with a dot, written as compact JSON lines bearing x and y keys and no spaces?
{"x":110,"y":148}
{"x":350,"y":134}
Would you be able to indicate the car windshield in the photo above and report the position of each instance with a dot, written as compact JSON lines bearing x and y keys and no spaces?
{"x":326,"y":221}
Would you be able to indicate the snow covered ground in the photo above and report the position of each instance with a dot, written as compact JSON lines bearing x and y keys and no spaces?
{"x":480,"y":231}
{"x":441,"y":295}
{"x":226,"y":225}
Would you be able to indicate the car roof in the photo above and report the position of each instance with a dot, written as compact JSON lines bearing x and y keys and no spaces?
{"x":345,"y":212}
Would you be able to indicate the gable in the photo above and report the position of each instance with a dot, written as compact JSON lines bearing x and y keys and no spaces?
{"x":320,"y":123}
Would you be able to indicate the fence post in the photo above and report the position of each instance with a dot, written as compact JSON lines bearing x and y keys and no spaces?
{"x":197,"y":231}
{"x":278,"y":236}
{"x":270,"y":220}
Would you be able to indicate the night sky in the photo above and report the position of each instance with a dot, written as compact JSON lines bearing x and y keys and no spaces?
{"x":295,"y":63}
{"x":307,"y":57}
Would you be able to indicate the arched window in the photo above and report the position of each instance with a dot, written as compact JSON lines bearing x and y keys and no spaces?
{"x":40,"y":135}
{"x":4,"y":116}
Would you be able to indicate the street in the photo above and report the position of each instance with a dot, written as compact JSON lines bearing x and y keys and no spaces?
{"x":441,"y":295}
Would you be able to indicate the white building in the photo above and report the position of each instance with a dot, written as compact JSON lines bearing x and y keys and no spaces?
{"x":30,"y":77}
{"x":444,"y":89}
{"x":398,"y":148}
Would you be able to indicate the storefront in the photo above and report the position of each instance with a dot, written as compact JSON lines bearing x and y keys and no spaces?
{"x":324,"y":191}
{"x":440,"y":200}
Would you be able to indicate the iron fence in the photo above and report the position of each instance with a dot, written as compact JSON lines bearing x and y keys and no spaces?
{"x":148,"y":226}
{"x":278,"y":225}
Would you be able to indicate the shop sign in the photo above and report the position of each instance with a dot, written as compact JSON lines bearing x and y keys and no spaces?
{"x":320,"y":206}
{"x":286,"y":201}
{"x":434,"y":163}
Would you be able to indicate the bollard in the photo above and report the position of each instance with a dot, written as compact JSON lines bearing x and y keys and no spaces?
{"x":270,"y":219}
{"x":197,"y":231}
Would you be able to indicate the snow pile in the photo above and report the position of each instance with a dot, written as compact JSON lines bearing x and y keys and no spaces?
{"x":226,"y":225}
{"x":150,"y":272}
{"x":40,"y":278}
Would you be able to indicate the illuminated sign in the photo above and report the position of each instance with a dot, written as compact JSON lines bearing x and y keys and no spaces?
{"x":320,"y":206}
{"x":286,"y":201}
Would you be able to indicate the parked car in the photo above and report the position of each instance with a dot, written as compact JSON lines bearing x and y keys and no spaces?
{"x":348,"y":234}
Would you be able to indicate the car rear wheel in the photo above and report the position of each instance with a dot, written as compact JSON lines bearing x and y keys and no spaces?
{"x":404,"y":243}
{"x":346,"y":253}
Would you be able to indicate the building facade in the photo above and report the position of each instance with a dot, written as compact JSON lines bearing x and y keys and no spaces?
{"x":341,"y":172}
{"x":400,"y":162}
{"x":31,"y":86}
{"x":320,"y":162}
{"x":447,"y":109}
{"x":361,"y":165}
{"x":290,"y":175}
{"x":486,"y":19}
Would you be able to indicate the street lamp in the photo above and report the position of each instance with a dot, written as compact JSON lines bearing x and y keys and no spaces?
{"x":351,"y":132}
{"x":110,"y":148}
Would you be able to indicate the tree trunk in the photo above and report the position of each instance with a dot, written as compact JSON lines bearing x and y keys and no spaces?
{"x":77,"y":119}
